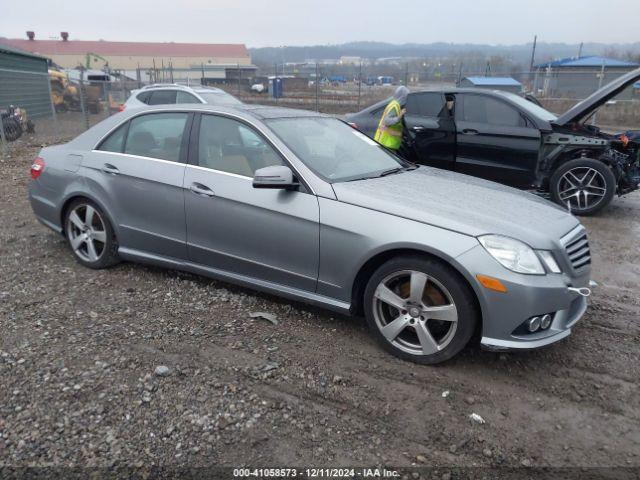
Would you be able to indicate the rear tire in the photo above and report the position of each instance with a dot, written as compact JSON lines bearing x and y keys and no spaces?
{"x":419,"y":309}
{"x":584,"y":184}
{"x":90,"y":235}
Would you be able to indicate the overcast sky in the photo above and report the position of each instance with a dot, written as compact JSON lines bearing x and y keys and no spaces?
{"x":299,"y":22}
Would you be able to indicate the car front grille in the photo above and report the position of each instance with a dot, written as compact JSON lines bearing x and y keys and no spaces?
{"x":577,"y":248}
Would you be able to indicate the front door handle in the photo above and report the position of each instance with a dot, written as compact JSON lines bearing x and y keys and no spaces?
{"x":110,"y":169}
{"x":470,"y":131}
{"x":202,"y":190}
{"x":418,"y":128}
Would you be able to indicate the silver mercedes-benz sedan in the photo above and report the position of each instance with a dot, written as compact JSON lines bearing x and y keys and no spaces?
{"x":304,"y":206}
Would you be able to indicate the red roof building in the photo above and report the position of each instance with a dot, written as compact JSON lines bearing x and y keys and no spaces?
{"x":130,"y":55}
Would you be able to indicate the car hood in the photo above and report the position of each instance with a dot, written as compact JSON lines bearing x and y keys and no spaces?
{"x":597,"y":98}
{"x":461,"y":203}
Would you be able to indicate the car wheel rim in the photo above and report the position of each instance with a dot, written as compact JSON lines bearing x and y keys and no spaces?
{"x":86,"y":232}
{"x":582,"y":188}
{"x":415,"y":312}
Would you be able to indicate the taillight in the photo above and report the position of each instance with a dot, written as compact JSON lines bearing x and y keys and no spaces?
{"x":121,"y":108}
{"x":37,"y":167}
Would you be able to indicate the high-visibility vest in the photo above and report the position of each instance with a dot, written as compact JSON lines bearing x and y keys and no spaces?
{"x":390,"y":136}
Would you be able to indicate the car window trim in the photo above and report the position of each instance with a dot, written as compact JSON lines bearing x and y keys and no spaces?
{"x":194,"y":150}
{"x":123,"y":147}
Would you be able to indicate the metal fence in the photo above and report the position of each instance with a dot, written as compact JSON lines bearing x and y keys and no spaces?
{"x":327,"y":88}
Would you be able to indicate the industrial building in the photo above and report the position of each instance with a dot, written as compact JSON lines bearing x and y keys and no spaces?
{"x":25,"y":81}
{"x":214,"y":62}
{"x":577,"y":77}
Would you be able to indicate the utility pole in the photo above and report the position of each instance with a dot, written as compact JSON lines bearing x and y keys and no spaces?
{"x":317,"y":83}
{"x":533,"y":52}
{"x":580,"y":49}
{"x":359,"y":84}
{"x":275,"y":82}
{"x":239,"y":77}
{"x":601,"y":75}
{"x":406,"y":74}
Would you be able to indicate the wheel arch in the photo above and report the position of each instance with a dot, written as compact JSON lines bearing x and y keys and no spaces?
{"x":70,"y":198}
{"x":373,"y":262}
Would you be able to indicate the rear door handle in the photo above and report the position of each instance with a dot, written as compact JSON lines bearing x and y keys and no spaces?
{"x":470,"y":131}
{"x":202,"y":190}
{"x":110,"y":169}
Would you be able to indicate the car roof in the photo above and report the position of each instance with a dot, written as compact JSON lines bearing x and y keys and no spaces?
{"x":259,"y":112}
{"x":177,"y":86}
{"x":250,"y":113}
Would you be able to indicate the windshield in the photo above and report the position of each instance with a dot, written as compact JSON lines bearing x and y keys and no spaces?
{"x":333,"y":150}
{"x":530,"y":107}
{"x":219,"y":98}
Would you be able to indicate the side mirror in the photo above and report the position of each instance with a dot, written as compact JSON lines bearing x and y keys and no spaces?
{"x":277,"y":176}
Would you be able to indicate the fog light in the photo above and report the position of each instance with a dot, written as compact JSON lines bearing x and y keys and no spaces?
{"x":545,"y":321}
{"x":533,"y":324}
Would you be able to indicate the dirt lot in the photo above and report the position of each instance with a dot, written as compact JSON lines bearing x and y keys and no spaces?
{"x":78,"y":351}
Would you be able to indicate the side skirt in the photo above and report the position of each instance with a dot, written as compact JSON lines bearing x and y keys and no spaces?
{"x":242,"y":280}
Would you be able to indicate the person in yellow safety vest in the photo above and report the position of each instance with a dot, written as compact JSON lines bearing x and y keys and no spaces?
{"x":389,"y":132}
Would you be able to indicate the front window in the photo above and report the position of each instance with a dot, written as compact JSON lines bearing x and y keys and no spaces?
{"x":530,"y":107}
{"x":483,"y":109}
{"x":230,"y":146}
{"x":221,"y":98}
{"x":333,"y":150}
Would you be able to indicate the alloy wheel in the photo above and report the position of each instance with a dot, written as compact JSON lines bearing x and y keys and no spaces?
{"x":581,"y":188}
{"x":86,"y":233}
{"x":415,"y":312}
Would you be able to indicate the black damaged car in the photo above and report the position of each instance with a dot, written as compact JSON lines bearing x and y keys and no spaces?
{"x":503,"y":137}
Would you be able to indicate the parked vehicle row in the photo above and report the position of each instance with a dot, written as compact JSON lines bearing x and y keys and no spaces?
{"x":503,"y":137}
{"x":172,"y":93}
{"x":304,"y":206}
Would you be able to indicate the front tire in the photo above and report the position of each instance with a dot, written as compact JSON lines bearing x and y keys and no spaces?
{"x":584,"y":185}
{"x":419,"y":309}
{"x":90,"y":235}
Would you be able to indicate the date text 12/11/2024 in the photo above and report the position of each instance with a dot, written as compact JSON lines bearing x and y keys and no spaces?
{"x":314,"y":473}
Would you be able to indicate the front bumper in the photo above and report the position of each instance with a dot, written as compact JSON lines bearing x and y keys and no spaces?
{"x":527,"y":296}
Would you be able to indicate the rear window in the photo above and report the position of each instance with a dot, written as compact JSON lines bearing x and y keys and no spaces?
{"x":162,"y":97}
{"x":156,"y":135}
{"x":144,"y":97}
{"x":115,"y":141}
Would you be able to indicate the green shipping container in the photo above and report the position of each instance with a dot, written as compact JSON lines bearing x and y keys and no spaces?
{"x":24,"y":81}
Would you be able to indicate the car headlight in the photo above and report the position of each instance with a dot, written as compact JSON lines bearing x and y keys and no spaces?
{"x":512,"y":254}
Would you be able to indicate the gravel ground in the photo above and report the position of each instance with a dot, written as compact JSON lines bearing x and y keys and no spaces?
{"x":80,"y":352}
